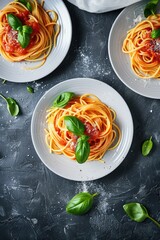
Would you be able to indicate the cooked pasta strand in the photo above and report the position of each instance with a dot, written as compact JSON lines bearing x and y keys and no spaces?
{"x":100,"y":126}
{"x":144,"y":51}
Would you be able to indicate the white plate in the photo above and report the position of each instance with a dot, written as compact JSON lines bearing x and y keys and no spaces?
{"x":15,"y":72}
{"x":62,"y":165}
{"x":120,"y":61}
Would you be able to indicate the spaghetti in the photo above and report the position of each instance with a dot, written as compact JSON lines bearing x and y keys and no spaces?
{"x":99,"y":122}
{"x":144,"y":51}
{"x":45,"y":30}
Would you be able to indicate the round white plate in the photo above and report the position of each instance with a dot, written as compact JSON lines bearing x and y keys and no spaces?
{"x":15,"y":72}
{"x":62,"y":165}
{"x":120,"y":61}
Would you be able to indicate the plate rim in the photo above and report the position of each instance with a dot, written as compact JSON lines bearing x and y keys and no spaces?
{"x":78,"y":178}
{"x":38,"y":77}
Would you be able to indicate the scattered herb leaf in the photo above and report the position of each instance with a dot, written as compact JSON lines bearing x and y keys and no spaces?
{"x":4,"y":81}
{"x":30,"y":89}
{"x":137,"y":212}
{"x":12,"y":105}
{"x":147,"y":147}
{"x":81,"y":203}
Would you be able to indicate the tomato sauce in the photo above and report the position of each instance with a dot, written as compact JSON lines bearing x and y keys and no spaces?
{"x":11,"y":45}
{"x":90,"y":131}
{"x":153,"y":47}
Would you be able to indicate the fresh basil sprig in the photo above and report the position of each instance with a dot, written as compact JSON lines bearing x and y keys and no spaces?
{"x":12,"y":105}
{"x":147,"y":147}
{"x":74,"y":125}
{"x":62,"y":99}
{"x":155,"y":33}
{"x":150,"y":8}
{"x":25,"y":3}
{"x":82,"y":149}
{"x":24,"y":31}
{"x":137,"y":212}
{"x":81,"y":203}
{"x":14,"y":21}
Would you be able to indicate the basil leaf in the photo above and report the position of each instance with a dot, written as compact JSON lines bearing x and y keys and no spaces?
{"x":25,"y":3}
{"x":62,"y":100}
{"x":74,"y":125}
{"x":27,"y":29}
{"x":12,"y":105}
{"x":28,"y":5}
{"x":155,"y":33}
{"x":13,"y":21}
{"x":82,"y":149}
{"x":138,"y":213}
{"x":4,"y":81}
{"x":147,"y":147}
{"x":22,"y":1}
{"x":30,"y":89}
{"x":23,"y":39}
{"x":150,"y":8}
{"x":81,"y":203}
{"x":19,"y":28}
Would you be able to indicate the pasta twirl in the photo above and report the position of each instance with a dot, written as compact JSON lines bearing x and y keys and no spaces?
{"x":144,"y":51}
{"x":100,"y":126}
{"x":44,"y":36}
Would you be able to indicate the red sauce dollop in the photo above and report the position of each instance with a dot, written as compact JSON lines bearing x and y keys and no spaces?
{"x":12,"y":45}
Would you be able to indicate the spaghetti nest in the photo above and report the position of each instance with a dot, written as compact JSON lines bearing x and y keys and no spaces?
{"x":144,"y":51}
{"x":99,"y":122}
{"x":43,"y":37}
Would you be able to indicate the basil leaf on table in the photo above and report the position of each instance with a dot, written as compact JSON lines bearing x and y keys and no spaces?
{"x":81,"y":203}
{"x":150,"y":8}
{"x":138,"y":213}
{"x":82,"y":149}
{"x":12,"y":105}
{"x":13,"y":21}
{"x":74,"y":125}
{"x":30,"y":89}
{"x":62,"y":99}
{"x":147,"y":147}
{"x":155,"y":33}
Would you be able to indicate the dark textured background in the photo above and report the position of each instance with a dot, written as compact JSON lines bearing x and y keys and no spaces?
{"x":33,"y":199}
